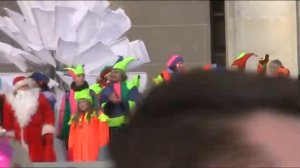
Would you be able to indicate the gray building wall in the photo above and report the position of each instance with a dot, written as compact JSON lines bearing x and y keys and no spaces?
{"x":166,"y":27}
{"x":169,"y":27}
{"x":263,"y":27}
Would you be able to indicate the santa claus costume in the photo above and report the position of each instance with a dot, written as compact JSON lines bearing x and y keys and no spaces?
{"x":250,"y":62}
{"x":29,"y":118}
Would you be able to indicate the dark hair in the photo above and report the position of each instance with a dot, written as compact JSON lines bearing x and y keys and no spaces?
{"x":44,"y":86}
{"x":186,"y":123}
{"x":173,"y":68}
{"x":124,"y":77}
{"x":123,"y":74}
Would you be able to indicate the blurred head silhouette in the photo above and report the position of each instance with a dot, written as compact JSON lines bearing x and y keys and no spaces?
{"x":214,"y":119}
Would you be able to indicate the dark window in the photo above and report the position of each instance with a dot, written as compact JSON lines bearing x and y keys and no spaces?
{"x":218,"y":41}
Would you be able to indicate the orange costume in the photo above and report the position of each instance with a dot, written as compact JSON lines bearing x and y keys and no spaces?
{"x":282,"y":71}
{"x":87,"y":136}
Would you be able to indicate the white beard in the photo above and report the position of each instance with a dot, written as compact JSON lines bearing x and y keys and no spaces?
{"x":251,"y":64}
{"x":25,"y":104}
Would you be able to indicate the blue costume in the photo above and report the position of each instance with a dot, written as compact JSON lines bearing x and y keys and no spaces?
{"x":128,"y":93}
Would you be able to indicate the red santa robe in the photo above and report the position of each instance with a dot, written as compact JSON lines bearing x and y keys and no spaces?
{"x":31,"y":121}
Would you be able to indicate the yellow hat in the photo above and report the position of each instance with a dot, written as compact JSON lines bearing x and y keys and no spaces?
{"x":83,"y":94}
{"x":76,"y":71}
{"x":122,"y":63}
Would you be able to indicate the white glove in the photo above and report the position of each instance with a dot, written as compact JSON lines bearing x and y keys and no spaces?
{"x":2,"y":131}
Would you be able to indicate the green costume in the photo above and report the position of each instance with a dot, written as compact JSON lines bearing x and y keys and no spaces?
{"x":128,"y":93}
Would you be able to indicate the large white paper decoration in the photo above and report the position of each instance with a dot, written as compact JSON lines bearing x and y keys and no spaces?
{"x":69,"y":32}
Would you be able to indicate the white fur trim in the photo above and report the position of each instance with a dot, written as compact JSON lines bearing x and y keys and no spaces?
{"x":10,"y":133}
{"x":47,"y":128}
{"x":251,"y":64}
{"x":27,"y":81}
{"x":6,"y":133}
{"x":2,"y":131}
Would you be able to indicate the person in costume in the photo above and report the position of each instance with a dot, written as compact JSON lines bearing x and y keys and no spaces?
{"x":173,"y":67}
{"x":88,"y":131}
{"x":28,"y":117}
{"x":68,"y":104}
{"x":210,"y":67}
{"x":250,"y":62}
{"x":42,"y":81}
{"x":120,"y":97}
{"x":102,"y":81}
{"x":275,"y":69}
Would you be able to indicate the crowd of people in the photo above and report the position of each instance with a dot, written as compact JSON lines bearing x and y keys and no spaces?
{"x":93,"y":116}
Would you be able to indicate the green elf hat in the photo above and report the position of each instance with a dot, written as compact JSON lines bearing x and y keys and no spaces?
{"x":75,"y":71}
{"x":122,"y":63}
{"x":83,"y":94}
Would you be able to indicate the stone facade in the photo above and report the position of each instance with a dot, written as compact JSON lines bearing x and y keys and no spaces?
{"x":169,"y":27}
{"x":263,"y":27}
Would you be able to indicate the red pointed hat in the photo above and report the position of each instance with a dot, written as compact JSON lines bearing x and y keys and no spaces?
{"x":241,"y":61}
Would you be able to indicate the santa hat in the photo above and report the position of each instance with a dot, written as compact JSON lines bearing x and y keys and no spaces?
{"x":240,"y":62}
{"x":122,"y":63}
{"x":173,"y":60}
{"x":21,"y":81}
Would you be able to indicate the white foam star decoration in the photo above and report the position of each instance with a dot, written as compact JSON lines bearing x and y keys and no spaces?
{"x":69,"y":32}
